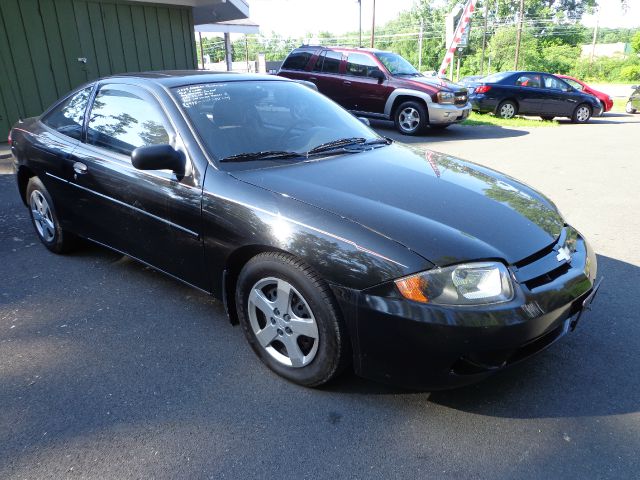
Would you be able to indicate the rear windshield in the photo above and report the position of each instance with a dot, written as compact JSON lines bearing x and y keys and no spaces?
{"x":297,"y":60}
{"x":496,"y":77}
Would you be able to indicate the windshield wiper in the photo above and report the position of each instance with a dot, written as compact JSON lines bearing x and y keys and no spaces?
{"x":266,"y":155}
{"x":343,"y":143}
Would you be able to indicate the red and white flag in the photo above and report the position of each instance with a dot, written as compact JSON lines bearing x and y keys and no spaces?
{"x":463,"y":25}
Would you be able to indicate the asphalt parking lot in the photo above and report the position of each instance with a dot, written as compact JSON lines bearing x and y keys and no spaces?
{"x":111,"y":370}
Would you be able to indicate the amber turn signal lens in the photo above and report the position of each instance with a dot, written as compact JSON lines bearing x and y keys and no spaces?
{"x":412,"y":288}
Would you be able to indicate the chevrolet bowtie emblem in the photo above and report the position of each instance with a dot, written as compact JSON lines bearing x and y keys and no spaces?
{"x":564,"y":254}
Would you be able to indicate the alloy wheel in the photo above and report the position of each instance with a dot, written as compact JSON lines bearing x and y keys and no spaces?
{"x":42,"y":217}
{"x":507,"y":110}
{"x":583,"y":114}
{"x":409,"y":119}
{"x":283,"y":322}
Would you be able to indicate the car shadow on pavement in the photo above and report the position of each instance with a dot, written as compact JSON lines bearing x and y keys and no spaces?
{"x":453,"y":133}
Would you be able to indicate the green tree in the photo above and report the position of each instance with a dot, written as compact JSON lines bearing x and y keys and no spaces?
{"x":635,"y":42}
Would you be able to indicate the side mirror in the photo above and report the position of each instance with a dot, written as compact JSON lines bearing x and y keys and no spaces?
{"x":158,"y":157}
{"x":377,"y":74}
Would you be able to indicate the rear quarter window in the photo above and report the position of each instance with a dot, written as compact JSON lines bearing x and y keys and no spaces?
{"x":68,"y":117}
{"x":297,"y":60}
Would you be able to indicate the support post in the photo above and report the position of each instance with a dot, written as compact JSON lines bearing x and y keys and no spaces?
{"x":484,"y":36}
{"x":519,"y":34}
{"x":420,"y":45}
{"x":228,"y":55}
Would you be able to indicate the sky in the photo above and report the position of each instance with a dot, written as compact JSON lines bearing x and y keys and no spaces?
{"x":295,"y":18}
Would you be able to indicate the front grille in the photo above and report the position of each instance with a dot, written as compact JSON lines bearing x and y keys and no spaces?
{"x":544,"y":266}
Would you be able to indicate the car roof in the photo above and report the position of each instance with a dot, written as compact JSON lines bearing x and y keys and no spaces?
{"x":342,"y":49}
{"x":175,"y":78}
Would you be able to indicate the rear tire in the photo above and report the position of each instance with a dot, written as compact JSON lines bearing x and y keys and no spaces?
{"x":301,"y":335}
{"x":507,"y":109}
{"x":411,"y":118}
{"x":629,"y":108}
{"x":581,"y":114}
{"x":45,"y":219}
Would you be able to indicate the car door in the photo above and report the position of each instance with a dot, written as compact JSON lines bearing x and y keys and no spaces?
{"x":154,"y":216}
{"x":560,"y":99}
{"x":531,"y":94}
{"x":326,"y":75}
{"x":364,"y":92}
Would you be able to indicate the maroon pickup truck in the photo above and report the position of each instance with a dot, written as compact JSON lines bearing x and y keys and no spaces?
{"x":377,"y":84}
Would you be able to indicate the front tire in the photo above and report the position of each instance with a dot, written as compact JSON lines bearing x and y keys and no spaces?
{"x":45,"y":219}
{"x":629,"y":108}
{"x":411,"y":118}
{"x":581,"y":114}
{"x":602,"y":108}
{"x":291,"y":319}
{"x":507,"y":109}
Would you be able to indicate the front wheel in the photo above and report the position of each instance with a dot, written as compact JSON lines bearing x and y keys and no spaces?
{"x":411,"y":118}
{"x":45,"y":220}
{"x":581,"y":114}
{"x":507,"y":109}
{"x":629,"y":108}
{"x":291,"y":319}
{"x":602,"y":108}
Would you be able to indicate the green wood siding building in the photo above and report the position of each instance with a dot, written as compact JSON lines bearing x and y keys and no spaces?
{"x":48,"y":47}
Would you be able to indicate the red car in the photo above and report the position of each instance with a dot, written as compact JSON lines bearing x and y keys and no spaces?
{"x":605,"y":100}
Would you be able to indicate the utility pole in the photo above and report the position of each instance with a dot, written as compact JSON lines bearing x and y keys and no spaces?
{"x":201,"y":49}
{"x":484,"y":35}
{"x":420,"y":45}
{"x":360,"y":23}
{"x":373,"y":23}
{"x":593,"y":43}
{"x":519,"y":34}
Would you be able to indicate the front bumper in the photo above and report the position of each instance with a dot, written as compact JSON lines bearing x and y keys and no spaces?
{"x":440,"y":114}
{"x":433,"y":347}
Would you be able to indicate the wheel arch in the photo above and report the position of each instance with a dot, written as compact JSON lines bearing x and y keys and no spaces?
{"x":508,"y":99}
{"x":400,"y":99}
{"x":23,"y":175}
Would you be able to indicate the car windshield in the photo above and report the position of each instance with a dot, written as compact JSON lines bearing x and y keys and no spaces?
{"x":396,"y":64}
{"x":258,"y":120}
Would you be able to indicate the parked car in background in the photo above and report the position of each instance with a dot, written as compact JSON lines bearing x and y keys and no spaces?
{"x":633,"y":104}
{"x":605,"y":100}
{"x":532,"y":93}
{"x":330,"y":245}
{"x":378,"y":84}
{"x":470,"y":81}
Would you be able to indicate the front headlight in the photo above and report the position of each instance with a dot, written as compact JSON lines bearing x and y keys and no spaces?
{"x":466,"y":284}
{"x":445,"y":97}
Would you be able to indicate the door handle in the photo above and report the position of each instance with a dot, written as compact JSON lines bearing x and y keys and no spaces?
{"x":80,"y":168}
{"x":346,"y":82}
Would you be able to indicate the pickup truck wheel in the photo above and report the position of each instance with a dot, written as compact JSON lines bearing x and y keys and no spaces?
{"x":411,"y":118}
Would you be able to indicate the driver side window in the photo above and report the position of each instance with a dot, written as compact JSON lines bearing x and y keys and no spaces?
{"x":124,"y":118}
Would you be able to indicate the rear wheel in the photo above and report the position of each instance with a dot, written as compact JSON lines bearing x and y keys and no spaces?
{"x":291,"y":319}
{"x":507,"y":109}
{"x":411,"y":118}
{"x":45,"y":220}
{"x":581,"y":114}
{"x":629,"y":108}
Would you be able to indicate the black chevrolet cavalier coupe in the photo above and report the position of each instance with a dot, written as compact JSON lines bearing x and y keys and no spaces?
{"x":327,"y":243}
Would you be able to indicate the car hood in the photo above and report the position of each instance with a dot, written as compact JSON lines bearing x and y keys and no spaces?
{"x":442,"y":208}
{"x":435,"y":82}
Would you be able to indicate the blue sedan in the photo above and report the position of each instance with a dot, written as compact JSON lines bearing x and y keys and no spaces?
{"x":532,"y":93}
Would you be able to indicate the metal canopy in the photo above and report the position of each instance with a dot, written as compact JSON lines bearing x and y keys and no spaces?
{"x":211,"y":11}
{"x":233,"y":26}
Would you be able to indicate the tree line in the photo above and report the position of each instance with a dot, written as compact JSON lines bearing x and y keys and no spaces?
{"x":551,"y":39}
